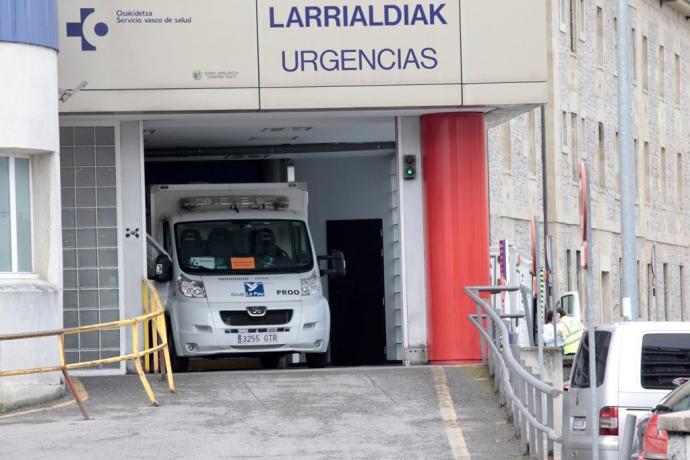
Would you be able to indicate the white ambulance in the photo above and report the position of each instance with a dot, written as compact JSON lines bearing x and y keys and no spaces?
{"x":236,"y":266}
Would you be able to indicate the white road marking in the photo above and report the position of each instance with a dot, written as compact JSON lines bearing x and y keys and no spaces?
{"x":450,"y":417}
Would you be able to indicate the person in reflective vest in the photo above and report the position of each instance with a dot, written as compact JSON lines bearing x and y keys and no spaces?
{"x":548,"y":332}
{"x":572,"y":330}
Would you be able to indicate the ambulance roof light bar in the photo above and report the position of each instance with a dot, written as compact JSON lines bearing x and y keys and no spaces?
{"x":235,"y":202}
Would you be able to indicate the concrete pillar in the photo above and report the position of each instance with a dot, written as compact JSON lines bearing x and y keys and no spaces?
{"x":413,"y":251}
{"x":133,"y":218}
{"x":31,"y":301}
{"x":457,"y":229}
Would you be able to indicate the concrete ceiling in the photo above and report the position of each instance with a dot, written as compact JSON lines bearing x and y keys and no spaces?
{"x":224,"y":131}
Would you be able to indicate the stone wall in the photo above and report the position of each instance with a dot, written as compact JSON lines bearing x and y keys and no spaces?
{"x":583,"y":93}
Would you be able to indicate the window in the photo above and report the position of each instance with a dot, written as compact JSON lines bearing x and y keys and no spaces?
{"x":16,"y":254}
{"x":601,"y":158}
{"x":574,"y":128}
{"x":579,"y":282}
{"x":676,"y":79}
{"x":606,"y":294}
{"x":580,"y":373}
{"x":573,"y":25}
{"x":636,"y":150}
{"x":564,"y":131}
{"x":531,"y":145}
{"x":618,"y":164}
{"x":645,"y":63}
{"x":639,"y":292}
{"x":506,"y":146}
{"x":581,"y":149}
{"x":662,"y":175}
{"x":600,"y":37}
{"x":567,"y":270}
{"x":662,"y":72}
{"x":681,"y":281}
{"x":650,"y":293}
{"x":615,"y":46}
{"x":647,"y":172}
{"x":243,"y":246}
{"x":679,"y":180}
{"x":581,"y":20}
{"x":633,"y":55}
{"x":667,"y":317}
{"x":664,"y":357}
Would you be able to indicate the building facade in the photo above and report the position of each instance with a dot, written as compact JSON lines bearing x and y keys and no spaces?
{"x":172,"y":92}
{"x":582,"y":125}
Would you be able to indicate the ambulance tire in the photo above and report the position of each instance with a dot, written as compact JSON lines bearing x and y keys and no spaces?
{"x":317,"y":360}
{"x":272,"y":361}
{"x":178,"y":363}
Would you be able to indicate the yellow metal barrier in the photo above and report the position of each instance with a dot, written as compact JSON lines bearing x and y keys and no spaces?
{"x":152,"y":318}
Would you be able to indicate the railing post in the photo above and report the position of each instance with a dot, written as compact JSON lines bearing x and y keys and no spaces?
{"x":68,"y":380}
{"x":145,"y":306}
{"x":161,"y":330}
{"x":540,"y":417}
{"x":532,"y":430}
{"x":524,"y":431}
{"x":137,"y":363}
{"x":480,"y":320}
{"x":550,"y":423}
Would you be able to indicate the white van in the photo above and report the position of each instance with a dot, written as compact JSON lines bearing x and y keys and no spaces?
{"x":237,"y":269}
{"x":636,"y":365}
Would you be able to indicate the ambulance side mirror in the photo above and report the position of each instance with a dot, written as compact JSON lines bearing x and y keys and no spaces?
{"x":163,"y":271}
{"x":337,"y":267}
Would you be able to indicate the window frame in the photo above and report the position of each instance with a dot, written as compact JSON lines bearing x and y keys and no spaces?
{"x":14,"y":271}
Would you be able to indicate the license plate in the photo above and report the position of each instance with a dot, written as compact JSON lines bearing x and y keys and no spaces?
{"x":579,"y":423}
{"x":262,"y":338}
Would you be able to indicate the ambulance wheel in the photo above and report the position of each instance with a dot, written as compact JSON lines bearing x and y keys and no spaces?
{"x":178,"y":363}
{"x":271,"y":361}
{"x":317,"y":360}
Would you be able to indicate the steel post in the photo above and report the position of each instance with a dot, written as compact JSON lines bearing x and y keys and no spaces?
{"x":627,"y":170}
{"x":591,"y":322}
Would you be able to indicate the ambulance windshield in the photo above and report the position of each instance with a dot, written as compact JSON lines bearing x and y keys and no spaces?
{"x":243,"y":246}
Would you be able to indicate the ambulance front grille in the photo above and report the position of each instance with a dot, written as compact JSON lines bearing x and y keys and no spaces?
{"x":242,"y":318}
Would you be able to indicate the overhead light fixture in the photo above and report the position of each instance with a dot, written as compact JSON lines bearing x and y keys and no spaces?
{"x":149,"y":132}
{"x":270,"y":139}
{"x":294,"y":129}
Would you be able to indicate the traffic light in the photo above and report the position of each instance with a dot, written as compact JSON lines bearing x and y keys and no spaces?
{"x":409,"y":166}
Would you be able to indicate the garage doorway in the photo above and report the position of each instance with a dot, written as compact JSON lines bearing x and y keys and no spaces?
{"x":358,"y":301}
{"x":348,"y":165}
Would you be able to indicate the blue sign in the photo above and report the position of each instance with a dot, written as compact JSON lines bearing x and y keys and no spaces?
{"x":76,"y":29}
{"x":254,"y":289}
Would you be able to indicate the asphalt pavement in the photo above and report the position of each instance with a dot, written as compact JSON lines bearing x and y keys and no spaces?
{"x":366,"y":412}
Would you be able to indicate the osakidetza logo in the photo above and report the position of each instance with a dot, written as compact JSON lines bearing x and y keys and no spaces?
{"x":81,"y":30}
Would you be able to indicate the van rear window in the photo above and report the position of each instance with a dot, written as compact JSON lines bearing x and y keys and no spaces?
{"x":664,"y":357}
{"x":580,"y":375}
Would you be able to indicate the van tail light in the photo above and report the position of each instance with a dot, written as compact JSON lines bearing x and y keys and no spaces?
{"x":608,"y":421}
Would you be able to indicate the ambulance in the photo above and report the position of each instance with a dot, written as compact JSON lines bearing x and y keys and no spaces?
{"x":236,"y":267}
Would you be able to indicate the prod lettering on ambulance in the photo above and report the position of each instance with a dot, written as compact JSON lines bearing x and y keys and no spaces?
{"x":359,"y":16}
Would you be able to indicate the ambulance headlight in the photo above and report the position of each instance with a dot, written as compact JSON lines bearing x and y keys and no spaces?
{"x":191,"y":288}
{"x":311,"y":285}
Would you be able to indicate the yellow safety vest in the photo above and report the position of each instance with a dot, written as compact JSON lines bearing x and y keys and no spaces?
{"x":572,"y":332}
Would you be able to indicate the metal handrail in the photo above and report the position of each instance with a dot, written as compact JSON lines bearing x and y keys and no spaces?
{"x":509,"y":365}
{"x":154,"y":314}
{"x":508,"y":355}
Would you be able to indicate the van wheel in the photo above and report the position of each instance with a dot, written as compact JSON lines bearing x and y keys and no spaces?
{"x":317,"y":360}
{"x":178,"y":363}
{"x":271,"y":361}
